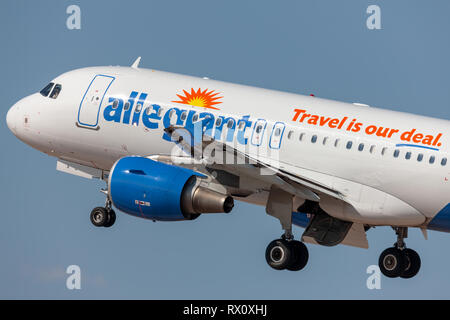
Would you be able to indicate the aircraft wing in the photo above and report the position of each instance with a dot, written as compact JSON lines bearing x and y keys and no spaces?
{"x":296,"y":181}
{"x":241,"y":163}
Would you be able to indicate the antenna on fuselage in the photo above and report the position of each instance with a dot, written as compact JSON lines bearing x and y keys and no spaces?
{"x":135,"y":64}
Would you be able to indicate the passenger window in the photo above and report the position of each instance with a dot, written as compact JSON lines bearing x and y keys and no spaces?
{"x":218,"y":122}
{"x":349,"y":144}
{"x":231,"y":123}
{"x":361,"y":147}
{"x":138,"y":108}
{"x":115,"y":104}
{"x":47,"y":89}
{"x":443,"y":161}
{"x":383,"y":151}
{"x":408,"y":155}
{"x":419,"y":157}
{"x":195,"y":117}
{"x":56,"y":91}
{"x":396,"y":153}
{"x":127,"y":106}
{"x":300,"y":138}
{"x":149,"y":110}
{"x":336,"y":143}
{"x":432,"y":158}
{"x":314,"y":139}
{"x":183,"y":116}
{"x":372,"y":149}
{"x":324,"y":142}
{"x":160,"y":111}
{"x":290,"y":134}
{"x":258,"y":129}
{"x":241,"y":125}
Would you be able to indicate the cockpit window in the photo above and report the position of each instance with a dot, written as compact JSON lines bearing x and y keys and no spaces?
{"x":56,"y":91}
{"x":47,"y":89}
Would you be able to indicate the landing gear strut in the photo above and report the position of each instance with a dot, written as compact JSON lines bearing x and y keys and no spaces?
{"x":284,"y":253}
{"x":399,"y":261}
{"x":103,"y":216}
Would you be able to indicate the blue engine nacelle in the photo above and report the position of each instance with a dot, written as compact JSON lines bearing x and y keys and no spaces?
{"x":154,"y":190}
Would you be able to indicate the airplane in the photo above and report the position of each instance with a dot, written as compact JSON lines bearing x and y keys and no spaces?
{"x":172,"y":147}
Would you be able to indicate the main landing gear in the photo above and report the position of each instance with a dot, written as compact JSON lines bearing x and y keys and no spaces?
{"x":284,"y":253}
{"x":399,"y":261}
{"x":103,"y":216}
{"x":287,"y":254}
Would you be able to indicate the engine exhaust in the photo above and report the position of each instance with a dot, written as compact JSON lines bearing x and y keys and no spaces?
{"x":208,"y":201}
{"x":196,"y":200}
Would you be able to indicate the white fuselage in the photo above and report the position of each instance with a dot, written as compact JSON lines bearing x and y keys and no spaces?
{"x":391,"y":187}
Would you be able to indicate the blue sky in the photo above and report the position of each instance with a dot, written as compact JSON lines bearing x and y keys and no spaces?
{"x":320,"y":47}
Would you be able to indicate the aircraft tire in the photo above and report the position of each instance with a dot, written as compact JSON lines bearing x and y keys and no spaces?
{"x":392,"y":262}
{"x":412,"y":264}
{"x":278,"y":254}
{"x":111,"y":219}
{"x":99,"y":216}
{"x":299,"y":257}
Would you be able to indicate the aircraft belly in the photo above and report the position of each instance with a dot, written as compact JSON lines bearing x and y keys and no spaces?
{"x":381,"y":209}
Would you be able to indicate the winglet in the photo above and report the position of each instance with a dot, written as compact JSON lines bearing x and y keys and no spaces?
{"x":135,"y":64}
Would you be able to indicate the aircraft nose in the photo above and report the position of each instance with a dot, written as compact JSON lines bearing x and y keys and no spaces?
{"x":10,"y":119}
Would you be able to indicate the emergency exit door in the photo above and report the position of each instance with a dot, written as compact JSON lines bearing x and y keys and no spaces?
{"x":277,"y":135}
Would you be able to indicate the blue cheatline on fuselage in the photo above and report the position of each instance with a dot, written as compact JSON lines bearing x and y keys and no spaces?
{"x":441,"y":222}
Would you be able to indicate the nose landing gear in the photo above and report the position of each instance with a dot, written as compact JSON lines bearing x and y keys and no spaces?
{"x":399,"y":261}
{"x":103,"y":217}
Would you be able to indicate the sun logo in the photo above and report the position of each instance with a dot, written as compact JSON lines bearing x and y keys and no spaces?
{"x":199,"y":98}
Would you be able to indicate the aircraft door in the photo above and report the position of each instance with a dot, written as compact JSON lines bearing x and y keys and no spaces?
{"x":89,"y":110}
{"x":277,"y":135}
{"x":258,"y":132}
